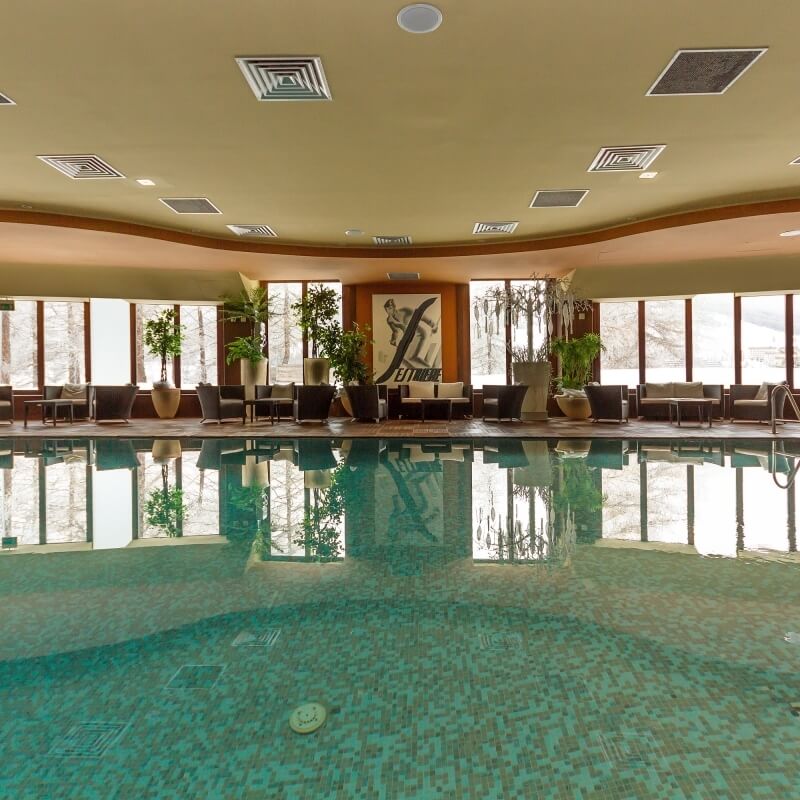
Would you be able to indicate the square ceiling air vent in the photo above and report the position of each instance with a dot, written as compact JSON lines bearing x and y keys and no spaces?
{"x":494,"y":227}
{"x":285,"y":77}
{"x":5,"y":100}
{"x":403,"y":276}
{"x":626,"y":158}
{"x":795,"y":163}
{"x":252,"y":230}
{"x":704,"y":71}
{"x":558,"y":198}
{"x":190,"y":205}
{"x":82,"y":167}
{"x":392,"y":241}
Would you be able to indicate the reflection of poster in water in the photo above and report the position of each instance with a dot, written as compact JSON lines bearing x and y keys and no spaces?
{"x":407,"y":338}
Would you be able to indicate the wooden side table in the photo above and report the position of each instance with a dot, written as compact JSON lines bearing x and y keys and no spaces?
{"x":427,"y":403}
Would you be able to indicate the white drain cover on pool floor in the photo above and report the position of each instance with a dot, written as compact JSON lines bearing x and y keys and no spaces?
{"x":308,"y":718}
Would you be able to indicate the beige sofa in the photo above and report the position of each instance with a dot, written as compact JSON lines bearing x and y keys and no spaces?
{"x":652,"y":398}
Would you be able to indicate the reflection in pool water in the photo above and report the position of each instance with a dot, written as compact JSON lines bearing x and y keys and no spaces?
{"x":481,"y":618}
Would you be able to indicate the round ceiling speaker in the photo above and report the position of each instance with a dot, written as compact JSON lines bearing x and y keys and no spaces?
{"x":419,"y":18}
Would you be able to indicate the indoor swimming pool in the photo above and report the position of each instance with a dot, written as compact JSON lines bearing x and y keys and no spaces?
{"x":477,"y":618}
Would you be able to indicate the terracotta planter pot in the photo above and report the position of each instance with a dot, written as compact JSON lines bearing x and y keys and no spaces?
{"x":166,"y":402}
{"x":536,"y":376}
{"x":316,"y":371}
{"x":252,"y":374}
{"x":574,"y":407}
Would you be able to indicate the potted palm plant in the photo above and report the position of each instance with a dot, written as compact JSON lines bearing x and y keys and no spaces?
{"x":163,"y":337}
{"x":316,"y":313}
{"x":576,"y":357}
{"x":252,"y":307}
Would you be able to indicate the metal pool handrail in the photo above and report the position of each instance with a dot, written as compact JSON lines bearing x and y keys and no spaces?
{"x":783,"y":389}
{"x":774,"y":470}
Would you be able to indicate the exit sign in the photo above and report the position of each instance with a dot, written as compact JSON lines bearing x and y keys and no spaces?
{"x":6,"y":305}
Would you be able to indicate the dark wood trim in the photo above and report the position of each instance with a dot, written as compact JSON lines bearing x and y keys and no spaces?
{"x":176,"y":362}
{"x":689,"y":346}
{"x":349,"y":305}
{"x":42,"y":476}
{"x":642,"y":351}
{"x":135,"y":503}
{"x":40,"y":344}
{"x":507,"y":321}
{"x":132,"y":317}
{"x":89,"y":504}
{"x":790,"y":339}
{"x":87,"y":341}
{"x":737,"y":339}
{"x":790,"y":206}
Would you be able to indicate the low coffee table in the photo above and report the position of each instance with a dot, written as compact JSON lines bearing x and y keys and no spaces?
{"x":274,"y":404}
{"x":703,"y":405}
{"x":54,"y":405}
{"x":445,"y":403}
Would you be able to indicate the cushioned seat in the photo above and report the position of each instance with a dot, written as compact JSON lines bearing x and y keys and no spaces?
{"x":750,"y":403}
{"x":653,"y":398}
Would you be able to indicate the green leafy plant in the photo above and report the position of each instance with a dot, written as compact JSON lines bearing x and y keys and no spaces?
{"x":252,"y":307}
{"x":576,"y":357}
{"x":163,"y":337}
{"x":321,"y":531}
{"x":345,"y":350}
{"x":316,"y":314}
{"x":578,"y":493}
{"x":165,"y":508}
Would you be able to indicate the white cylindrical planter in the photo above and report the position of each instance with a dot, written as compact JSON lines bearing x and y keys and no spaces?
{"x":166,"y":450}
{"x":536,"y":376}
{"x":317,"y":479}
{"x":316,"y":371}
{"x":255,"y":473}
{"x":539,"y":471}
{"x":252,"y":374}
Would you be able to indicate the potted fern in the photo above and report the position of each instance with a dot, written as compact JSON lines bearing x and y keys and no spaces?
{"x":576,"y":357}
{"x":163,"y":337}
{"x":252,"y":307}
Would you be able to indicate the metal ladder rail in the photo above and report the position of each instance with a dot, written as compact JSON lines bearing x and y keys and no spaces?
{"x":782,"y":389}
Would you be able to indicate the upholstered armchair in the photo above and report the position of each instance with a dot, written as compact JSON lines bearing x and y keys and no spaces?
{"x":753,"y":402}
{"x":81,"y":395}
{"x":114,"y":402}
{"x":503,"y":402}
{"x":221,"y":402}
{"x":313,"y":402}
{"x":608,"y":402}
{"x":7,"y":404}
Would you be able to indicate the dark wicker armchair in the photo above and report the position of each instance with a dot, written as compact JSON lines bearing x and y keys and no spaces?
{"x":369,"y":402}
{"x":503,"y":402}
{"x":745,"y":406}
{"x":114,"y":402}
{"x":82,"y":406}
{"x":608,"y":402}
{"x":313,"y":402}
{"x":7,"y":404}
{"x":221,"y":402}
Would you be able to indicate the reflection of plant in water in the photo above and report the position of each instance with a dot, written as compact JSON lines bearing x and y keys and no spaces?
{"x":322,"y":522}
{"x":247,"y":517}
{"x":165,"y":508}
{"x":578,"y":496}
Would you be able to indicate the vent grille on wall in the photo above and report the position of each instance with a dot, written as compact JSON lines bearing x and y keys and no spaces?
{"x":82,"y":167}
{"x":285,"y":77}
{"x":392,"y":241}
{"x":558,"y":198}
{"x":190,"y":205}
{"x":403,"y":276}
{"x":5,"y":100}
{"x":494,"y":227}
{"x":252,"y":230}
{"x":627,"y":158}
{"x":704,"y":71}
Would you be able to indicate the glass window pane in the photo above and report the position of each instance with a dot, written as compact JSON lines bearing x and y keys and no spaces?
{"x":65,"y":490}
{"x":20,"y":498}
{"x":337,"y":287}
{"x":285,"y":337}
{"x":527,"y":332}
{"x":712,"y":339}
{"x":715,"y":510}
{"x":18,"y":357}
{"x":796,"y":337}
{"x":199,"y":351}
{"x":64,"y":353}
{"x":764,"y":339}
{"x":667,"y":503}
{"x":148,"y":367}
{"x":111,"y":341}
{"x":287,"y":510}
{"x":665,"y":340}
{"x":622,"y":503}
{"x":619,"y":330}
{"x":764,"y":505}
{"x":487,"y":342}
{"x":200,"y":497}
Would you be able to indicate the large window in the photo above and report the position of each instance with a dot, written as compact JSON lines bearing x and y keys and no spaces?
{"x":712,"y":339}
{"x":18,"y":354}
{"x":285,"y":337}
{"x":199,"y":351}
{"x":796,"y":340}
{"x":64,"y":354}
{"x":488,"y":339}
{"x":619,"y":326}
{"x":148,"y":366}
{"x":665,"y":340}
{"x":764,"y":339}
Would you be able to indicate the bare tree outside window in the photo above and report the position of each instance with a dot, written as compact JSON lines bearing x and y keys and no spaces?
{"x":19,"y":364}
{"x":20,"y":493}
{"x":148,"y":367}
{"x":199,"y":351}
{"x":619,"y":331}
{"x":285,"y":336}
{"x":65,"y":488}
{"x":64,"y":355}
{"x":488,"y":337}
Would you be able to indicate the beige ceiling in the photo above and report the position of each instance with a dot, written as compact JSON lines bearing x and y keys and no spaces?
{"x":425,"y":135}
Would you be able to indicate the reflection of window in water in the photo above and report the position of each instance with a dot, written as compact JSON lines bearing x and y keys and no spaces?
{"x":621,"y":507}
{"x":286,"y":508}
{"x":200,"y":497}
{"x":65,"y":486}
{"x":20,"y":493}
{"x":667,"y":503}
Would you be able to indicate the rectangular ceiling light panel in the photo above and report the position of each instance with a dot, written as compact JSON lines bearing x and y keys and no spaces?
{"x":403,"y":276}
{"x":190,"y":205}
{"x":280,"y":78}
{"x":252,"y":230}
{"x":494,"y":227}
{"x":626,"y":158}
{"x":392,"y":241}
{"x":558,"y":198}
{"x":82,"y":167}
{"x":702,"y":72}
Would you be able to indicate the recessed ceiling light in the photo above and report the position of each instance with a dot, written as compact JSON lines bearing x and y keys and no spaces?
{"x":145,"y":182}
{"x":419,"y":18}
{"x":790,"y":233}
{"x":353,"y":232}
{"x":647,"y":175}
